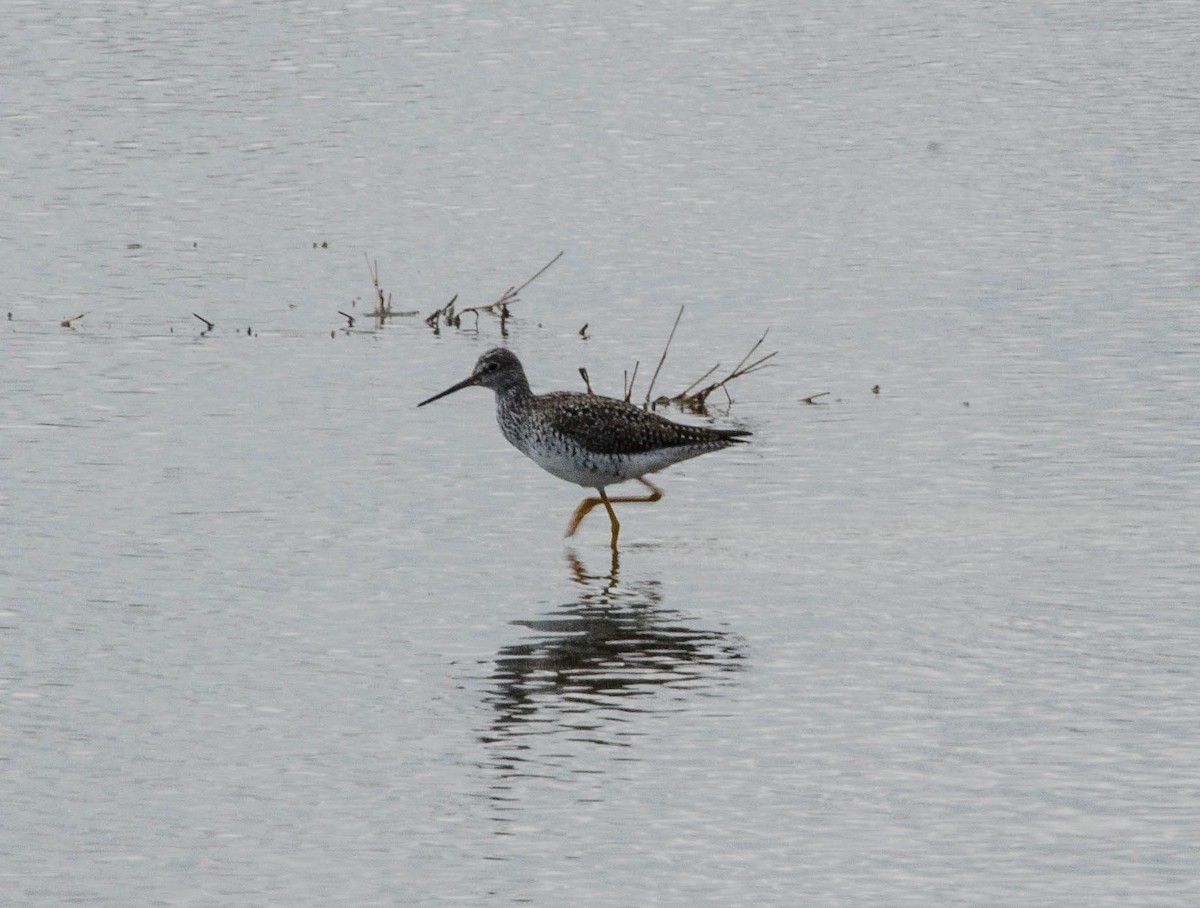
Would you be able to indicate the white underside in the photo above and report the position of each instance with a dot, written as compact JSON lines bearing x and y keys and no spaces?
{"x":601,"y":470}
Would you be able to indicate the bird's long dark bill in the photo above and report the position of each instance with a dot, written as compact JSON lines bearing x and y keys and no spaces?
{"x":465,"y":383}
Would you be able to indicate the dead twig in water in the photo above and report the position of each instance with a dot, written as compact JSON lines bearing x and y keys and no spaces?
{"x":383,"y":306}
{"x":498,"y":307}
{"x":628,"y":380}
{"x":66,"y":322}
{"x":662,"y":359}
{"x":696,"y":402}
{"x":685,"y":391}
{"x":208,"y":326}
{"x":511,"y":295}
{"x":433,"y":320}
{"x":584,"y":374}
{"x":541,"y":271}
{"x":811,"y":400}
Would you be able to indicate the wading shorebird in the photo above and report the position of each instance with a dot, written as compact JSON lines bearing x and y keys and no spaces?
{"x":587,"y":439}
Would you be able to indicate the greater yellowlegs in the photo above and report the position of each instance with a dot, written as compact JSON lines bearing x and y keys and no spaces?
{"x":587,"y":439}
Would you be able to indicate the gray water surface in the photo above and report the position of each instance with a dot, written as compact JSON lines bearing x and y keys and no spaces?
{"x":271,"y":635}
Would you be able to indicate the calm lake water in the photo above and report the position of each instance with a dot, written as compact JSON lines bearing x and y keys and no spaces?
{"x":270,"y":635}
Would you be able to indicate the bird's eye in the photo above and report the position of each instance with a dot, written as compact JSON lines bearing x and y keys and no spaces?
{"x":491,"y":367}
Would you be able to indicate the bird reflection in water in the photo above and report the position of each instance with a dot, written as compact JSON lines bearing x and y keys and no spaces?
{"x":592,"y":667}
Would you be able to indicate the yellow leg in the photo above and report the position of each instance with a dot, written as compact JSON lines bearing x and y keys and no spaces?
{"x":612,"y":515}
{"x":587,"y":504}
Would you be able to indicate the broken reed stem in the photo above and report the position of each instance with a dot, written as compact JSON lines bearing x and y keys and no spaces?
{"x":663,"y":358}
{"x":500,"y":306}
{"x":700,"y":396}
{"x":749,"y":354}
{"x":383,"y":303}
{"x":686,"y":397}
{"x":632,"y":379}
{"x":583,"y":372}
{"x":541,"y":271}
{"x":508,"y":296}
{"x":446,"y":311}
{"x":685,"y":391}
{"x":373,"y":270}
{"x":736,"y":373}
{"x":696,"y":401}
